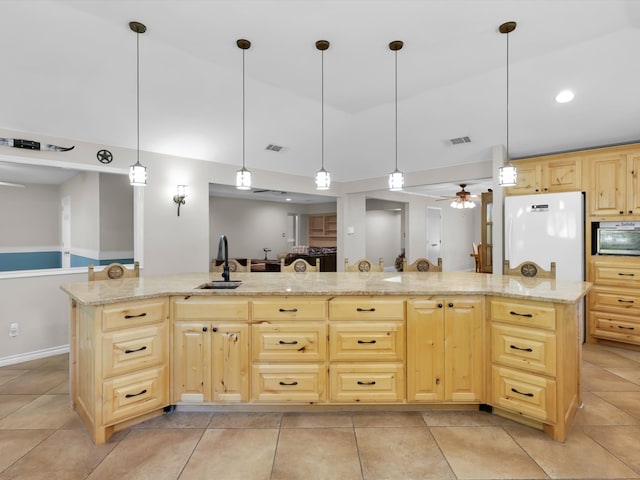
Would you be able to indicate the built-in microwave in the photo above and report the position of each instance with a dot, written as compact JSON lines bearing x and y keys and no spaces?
{"x":618,"y":238}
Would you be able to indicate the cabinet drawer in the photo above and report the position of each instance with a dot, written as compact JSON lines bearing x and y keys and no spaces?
{"x":133,"y":314}
{"x":134,"y":349}
{"x":135,"y":394}
{"x":366,"y":308}
{"x":611,"y":273}
{"x":370,"y":383}
{"x":525,"y":348}
{"x":205,"y":308}
{"x":613,"y":326}
{"x":615,"y":300}
{"x":379,"y":341}
{"x":298,"y":342}
{"x":299,"y":308}
{"x":289,"y":383}
{"x":529,"y":314}
{"x":530,"y":395}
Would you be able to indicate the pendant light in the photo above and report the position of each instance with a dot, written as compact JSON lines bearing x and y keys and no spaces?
{"x":137,"y":171}
{"x":507,"y":174}
{"x":323,"y":178}
{"x":243,"y":176}
{"x":396,"y":178}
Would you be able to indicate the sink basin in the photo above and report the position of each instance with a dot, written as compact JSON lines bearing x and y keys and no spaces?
{"x":220,"y":285}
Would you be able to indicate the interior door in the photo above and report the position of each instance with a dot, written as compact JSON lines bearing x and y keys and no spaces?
{"x":434,"y":234}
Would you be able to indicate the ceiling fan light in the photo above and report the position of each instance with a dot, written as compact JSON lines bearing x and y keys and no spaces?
{"x":243,"y":179}
{"x":396,"y":180}
{"x":323,"y":180}
{"x":507,"y":176}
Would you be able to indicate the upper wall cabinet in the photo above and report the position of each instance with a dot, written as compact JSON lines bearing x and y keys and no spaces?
{"x":323,"y":230}
{"x":556,"y":173}
{"x":614,"y":188}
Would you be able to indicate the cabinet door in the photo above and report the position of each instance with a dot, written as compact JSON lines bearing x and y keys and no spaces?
{"x":608,"y":184}
{"x":230,"y":362}
{"x":191,"y":364}
{"x":425,"y":350}
{"x":463,"y":349}
{"x":633,"y":183}
{"x":527,"y":180}
{"x":562,"y":175}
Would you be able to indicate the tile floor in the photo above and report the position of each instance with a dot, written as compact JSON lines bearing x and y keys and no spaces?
{"x":40,"y":438}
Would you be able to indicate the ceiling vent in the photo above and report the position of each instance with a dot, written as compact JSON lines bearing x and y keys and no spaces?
{"x":274,"y":148}
{"x":460,"y":140}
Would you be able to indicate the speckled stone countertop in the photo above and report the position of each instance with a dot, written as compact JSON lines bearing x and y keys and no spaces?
{"x":329,"y":284}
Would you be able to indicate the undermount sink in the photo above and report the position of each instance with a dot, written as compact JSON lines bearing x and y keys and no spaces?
{"x":220,"y":284}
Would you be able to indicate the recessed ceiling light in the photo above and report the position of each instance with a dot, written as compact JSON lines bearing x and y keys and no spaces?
{"x":288,"y":199}
{"x":564,"y":96}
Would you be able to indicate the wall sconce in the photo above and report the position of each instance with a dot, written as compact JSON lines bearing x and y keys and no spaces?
{"x":181,"y":195}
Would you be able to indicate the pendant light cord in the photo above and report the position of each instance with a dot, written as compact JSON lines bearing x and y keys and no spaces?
{"x":396,"y":100}
{"x":243,"y":109}
{"x":138,"y":95}
{"x":508,"y":158}
{"x":322,"y":109}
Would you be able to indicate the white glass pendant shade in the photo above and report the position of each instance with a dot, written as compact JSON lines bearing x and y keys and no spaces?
{"x":243,"y":179}
{"x":396,"y":180}
{"x":507,"y":176}
{"x":138,"y":175}
{"x":462,"y":204}
{"x":323,"y":180}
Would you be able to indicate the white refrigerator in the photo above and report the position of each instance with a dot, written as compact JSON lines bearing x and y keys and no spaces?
{"x":547,"y":228}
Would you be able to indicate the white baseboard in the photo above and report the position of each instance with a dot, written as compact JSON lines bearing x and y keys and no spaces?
{"x":26,"y":357}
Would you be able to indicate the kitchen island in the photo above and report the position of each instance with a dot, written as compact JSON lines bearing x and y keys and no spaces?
{"x":325,"y":341}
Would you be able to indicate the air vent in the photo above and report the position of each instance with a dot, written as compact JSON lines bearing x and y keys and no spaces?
{"x":274,"y":148}
{"x":460,"y":140}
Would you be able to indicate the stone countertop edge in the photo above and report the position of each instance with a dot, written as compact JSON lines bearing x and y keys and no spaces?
{"x":329,"y":284}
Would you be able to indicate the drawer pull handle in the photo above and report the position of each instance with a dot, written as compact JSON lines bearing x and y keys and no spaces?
{"x":144,"y":347}
{"x":143,"y":314}
{"x":622,"y":300}
{"x":282,"y":342}
{"x":373,"y":382}
{"x":367,"y":341}
{"x":528,"y":315}
{"x":522,"y":349}
{"x":288,"y":310}
{"x":129,"y":395}
{"x":626,"y":328}
{"x":626,"y":274}
{"x":520,"y":393}
{"x":291,"y":384}
{"x":360,"y":309}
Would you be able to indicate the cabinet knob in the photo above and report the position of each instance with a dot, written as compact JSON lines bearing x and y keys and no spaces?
{"x":204,"y":329}
{"x":214,"y":329}
{"x":621,"y":212}
{"x":630,"y":211}
{"x":440,"y":305}
{"x":451,"y":305}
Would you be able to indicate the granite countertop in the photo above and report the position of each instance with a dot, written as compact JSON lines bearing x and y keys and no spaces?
{"x":329,"y":284}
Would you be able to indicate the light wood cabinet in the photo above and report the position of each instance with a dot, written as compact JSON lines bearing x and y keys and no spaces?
{"x":535,"y":349}
{"x":289,"y":349}
{"x":323,"y":230}
{"x":120,"y":366}
{"x":614,"y":189}
{"x":555,"y":173}
{"x":211,"y":350}
{"x":366,"y":338}
{"x":445,"y":349}
{"x":614,"y":301}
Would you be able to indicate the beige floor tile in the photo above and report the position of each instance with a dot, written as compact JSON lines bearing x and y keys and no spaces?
{"x":6,"y":375}
{"x":67,"y":454}
{"x":601,"y":380}
{"x":57,"y":362}
{"x":316,"y":420}
{"x":632,"y":374}
{"x":401,"y":453}
{"x":232,"y":454}
{"x":62,"y":389}
{"x":485,"y":453}
{"x":178,"y":420}
{"x":388,"y":419}
{"x":603,"y":357}
{"x":35,"y":382}
{"x":149,"y":454}
{"x":448,"y":418}
{"x":16,"y":443}
{"x":596,"y":411}
{"x":622,"y":441}
{"x":628,"y":402}
{"x":46,"y":411}
{"x":316,"y":453}
{"x":11,"y":403}
{"x":624,"y":352}
{"x":578,"y":457}
{"x":245,"y":420}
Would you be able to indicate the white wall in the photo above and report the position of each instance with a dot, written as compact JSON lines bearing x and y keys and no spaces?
{"x":383,"y":237}
{"x":116,"y":216}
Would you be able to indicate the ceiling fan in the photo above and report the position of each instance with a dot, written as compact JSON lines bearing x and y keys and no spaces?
{"x":462,"y":199}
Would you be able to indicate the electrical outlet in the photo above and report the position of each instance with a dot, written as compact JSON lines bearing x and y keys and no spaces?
{"x":13,"y":330}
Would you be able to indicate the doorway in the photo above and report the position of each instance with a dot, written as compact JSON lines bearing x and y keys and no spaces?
{"x":434,"y":234}
{"x":65,"y":228}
